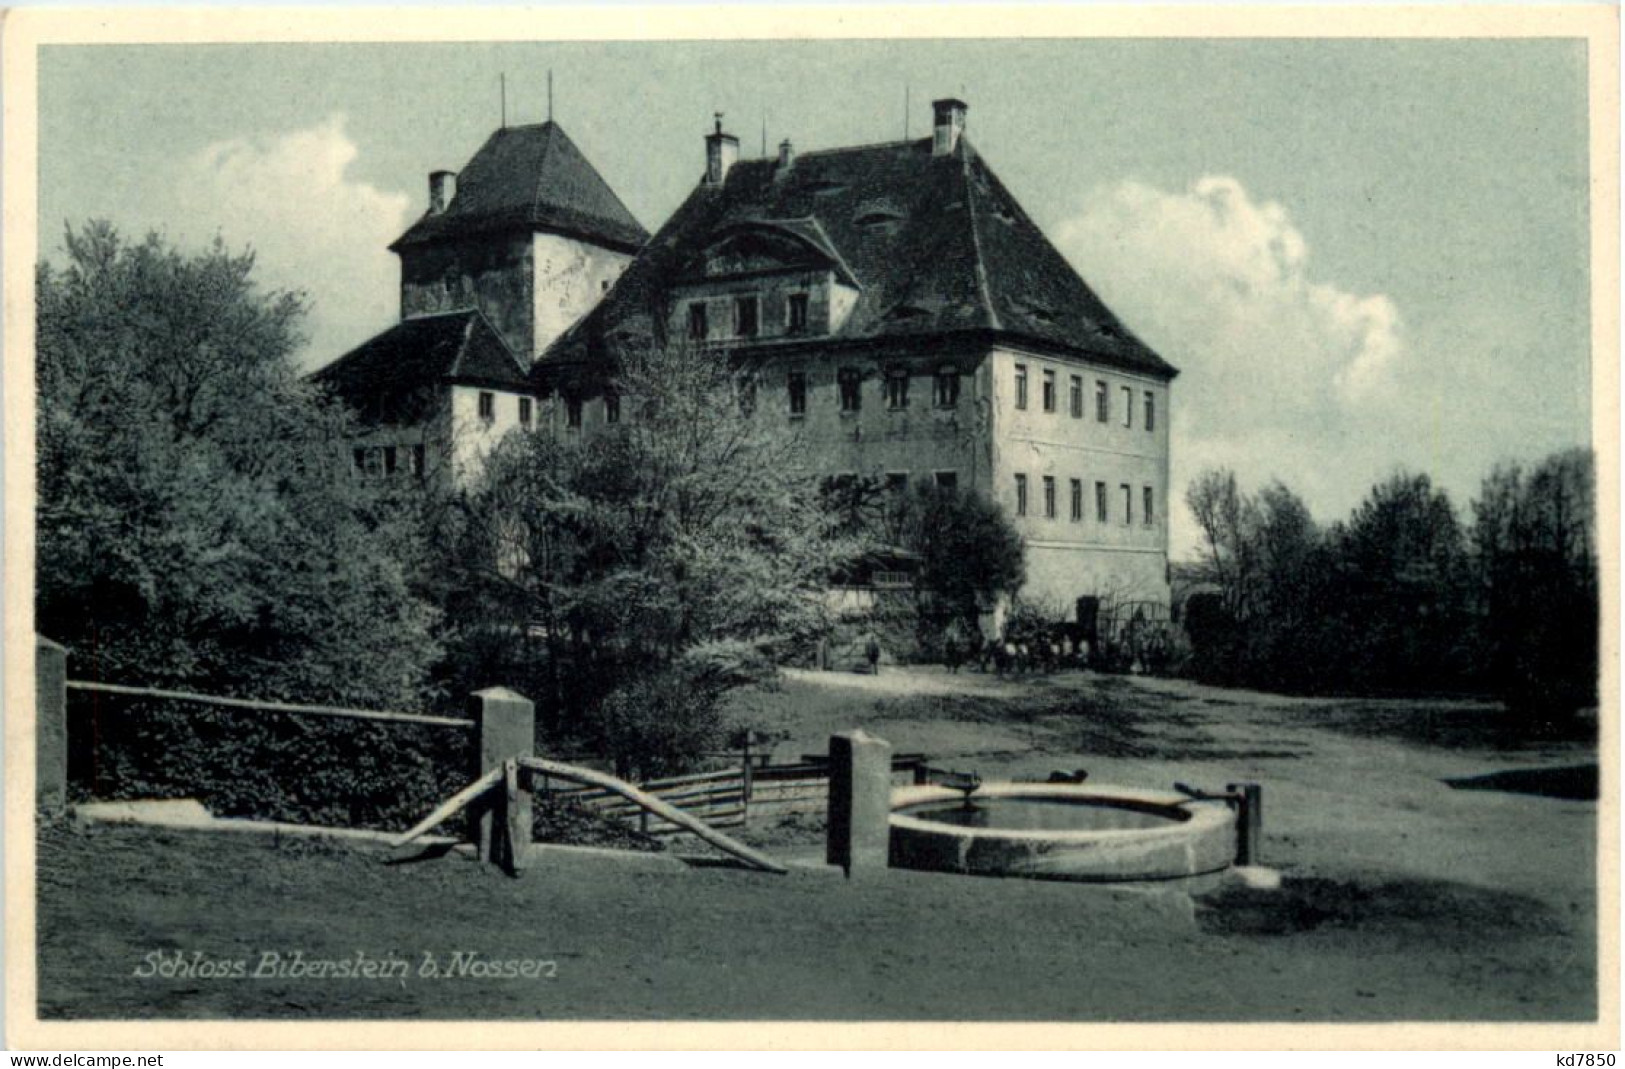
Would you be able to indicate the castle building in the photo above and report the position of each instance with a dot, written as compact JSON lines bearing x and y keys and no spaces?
{"x":898,"y":309}
{"x":510,"y":253}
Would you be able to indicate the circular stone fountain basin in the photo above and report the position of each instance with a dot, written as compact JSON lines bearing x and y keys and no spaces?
{"x":1061,"y":831}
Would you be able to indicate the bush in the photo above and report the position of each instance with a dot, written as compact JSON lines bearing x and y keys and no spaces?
{"x":661,"y":724}
{"x":270,"y":766}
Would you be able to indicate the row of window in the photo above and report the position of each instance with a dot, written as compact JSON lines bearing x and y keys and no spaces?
{"x":895,"y":389}
{"x":488,"y":408}
{"x":1103,"y":399}
{"x":747,"y":320}
{"x":1148,"y":499}
{"x":895,"y":394}
{"x":383,"y":461}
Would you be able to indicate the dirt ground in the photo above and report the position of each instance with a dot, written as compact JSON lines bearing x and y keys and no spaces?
{"x":1404,"y":897}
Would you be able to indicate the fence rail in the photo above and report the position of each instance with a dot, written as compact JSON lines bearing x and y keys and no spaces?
{"x":275,"y":707}
{"x":729,"y":797}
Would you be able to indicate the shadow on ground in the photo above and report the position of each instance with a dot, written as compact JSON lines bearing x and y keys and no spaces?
{"x":1436,"y":912}
{"x":1573,"y":782}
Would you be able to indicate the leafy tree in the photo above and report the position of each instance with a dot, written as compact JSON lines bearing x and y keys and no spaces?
{"x":970,"y":553}
{"x":1535,"y":565}
{"x":608,"y":562}
{"x":197,"y":526}
{"x":1403,"y":578}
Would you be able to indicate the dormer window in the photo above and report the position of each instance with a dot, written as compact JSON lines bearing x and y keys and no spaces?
{"x":698,"y":327}
{"x":795,"y":317}
{"x":745,"y":322}
{"x":897,"y":388}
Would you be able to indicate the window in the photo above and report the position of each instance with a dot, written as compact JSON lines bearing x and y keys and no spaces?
{"x":897,"y":483}
{"x":1077,"y":396}
{"x":798,"y":393}
{"x":1077,"y":500}
{"x":1103,"y":402}
{"x":850,"y":383}
{"x":795,"y":314}
{"x":488,"y":405}
{"x":1128,"y":406}
{"x":698,"y":328}
{"x":1150,"y":411}
{"x":1049,"y":391}
{"x":361,"y":462}
{"x":745,"y":317}
{"x":947,"y":480}
{"x":1021,"y":385}
{"x":417,"y":460}
{"x":524,"y":411}
{"x":897,"y":389}
{"x":612,"y":407}
{"x":1049,"y":497}
{"x":1021,"y":495}
{"x":603,"y":286}
{"x":391,"y":460}
{"x":1147,"y":515}
{"x":945,"y":389}
{"x":572,"y":412}
{"x":1128,"y":504}
{"x":1100,"y":503}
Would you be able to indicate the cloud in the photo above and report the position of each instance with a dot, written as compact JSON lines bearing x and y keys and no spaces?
{"x":1281,"y":372}
{"x":312,"y":225}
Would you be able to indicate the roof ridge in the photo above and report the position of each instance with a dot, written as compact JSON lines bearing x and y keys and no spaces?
{"x":536,"y":199}
{"x":965,"y":152}
{"x":462,"y":347}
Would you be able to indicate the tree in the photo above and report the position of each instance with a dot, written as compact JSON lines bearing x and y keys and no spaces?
{"x":970,"y":553}
{"x":1227,"y":519}
{"x":1402,"y":557}
{"x":197,"y":524}
{"x":688,"y":524}
{"x":1535,"y":566}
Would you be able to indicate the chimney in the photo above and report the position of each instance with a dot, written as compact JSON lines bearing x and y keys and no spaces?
{"x":948,"y":126}
{"x":787,"y":156}
{"x":721,"y":153}
{"x":442,"y":187}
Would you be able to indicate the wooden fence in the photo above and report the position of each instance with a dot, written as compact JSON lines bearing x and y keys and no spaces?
{"x":732,"y":797}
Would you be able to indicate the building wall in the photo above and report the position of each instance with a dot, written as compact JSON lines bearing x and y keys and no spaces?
{"x":1122,"y":558}
{"x":828,"y":303}
{"x":473,"y":436}
{"x":570,"y":277}
{"x":918,"y":440}
{"x":492,"y":274}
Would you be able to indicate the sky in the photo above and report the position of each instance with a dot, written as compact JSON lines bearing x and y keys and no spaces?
{"x":1364,"y":255}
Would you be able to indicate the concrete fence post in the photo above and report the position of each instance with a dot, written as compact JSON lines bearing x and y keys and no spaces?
{"x":50,"y":725}
{"x":504,"y":728}
{"x":859,"y":802}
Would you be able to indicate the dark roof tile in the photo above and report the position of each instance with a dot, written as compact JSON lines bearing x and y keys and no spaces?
{"x":530,"y":177}
{"x":936,"y":244}
{"x":394,"y":376}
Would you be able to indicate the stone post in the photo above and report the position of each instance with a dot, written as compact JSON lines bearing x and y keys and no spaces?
{"x":1249,"y":822}
{"x":50,"y":726}
{"x":859,"y":802}
{"x":505,"y":728}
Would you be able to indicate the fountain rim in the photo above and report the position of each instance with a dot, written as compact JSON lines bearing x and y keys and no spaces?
{"x":1203,"y":815}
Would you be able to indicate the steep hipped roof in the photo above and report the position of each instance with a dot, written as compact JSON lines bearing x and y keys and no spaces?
{"x":531,"y":177}
{"x":938,"y":247}
{"x":393,"y":377}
